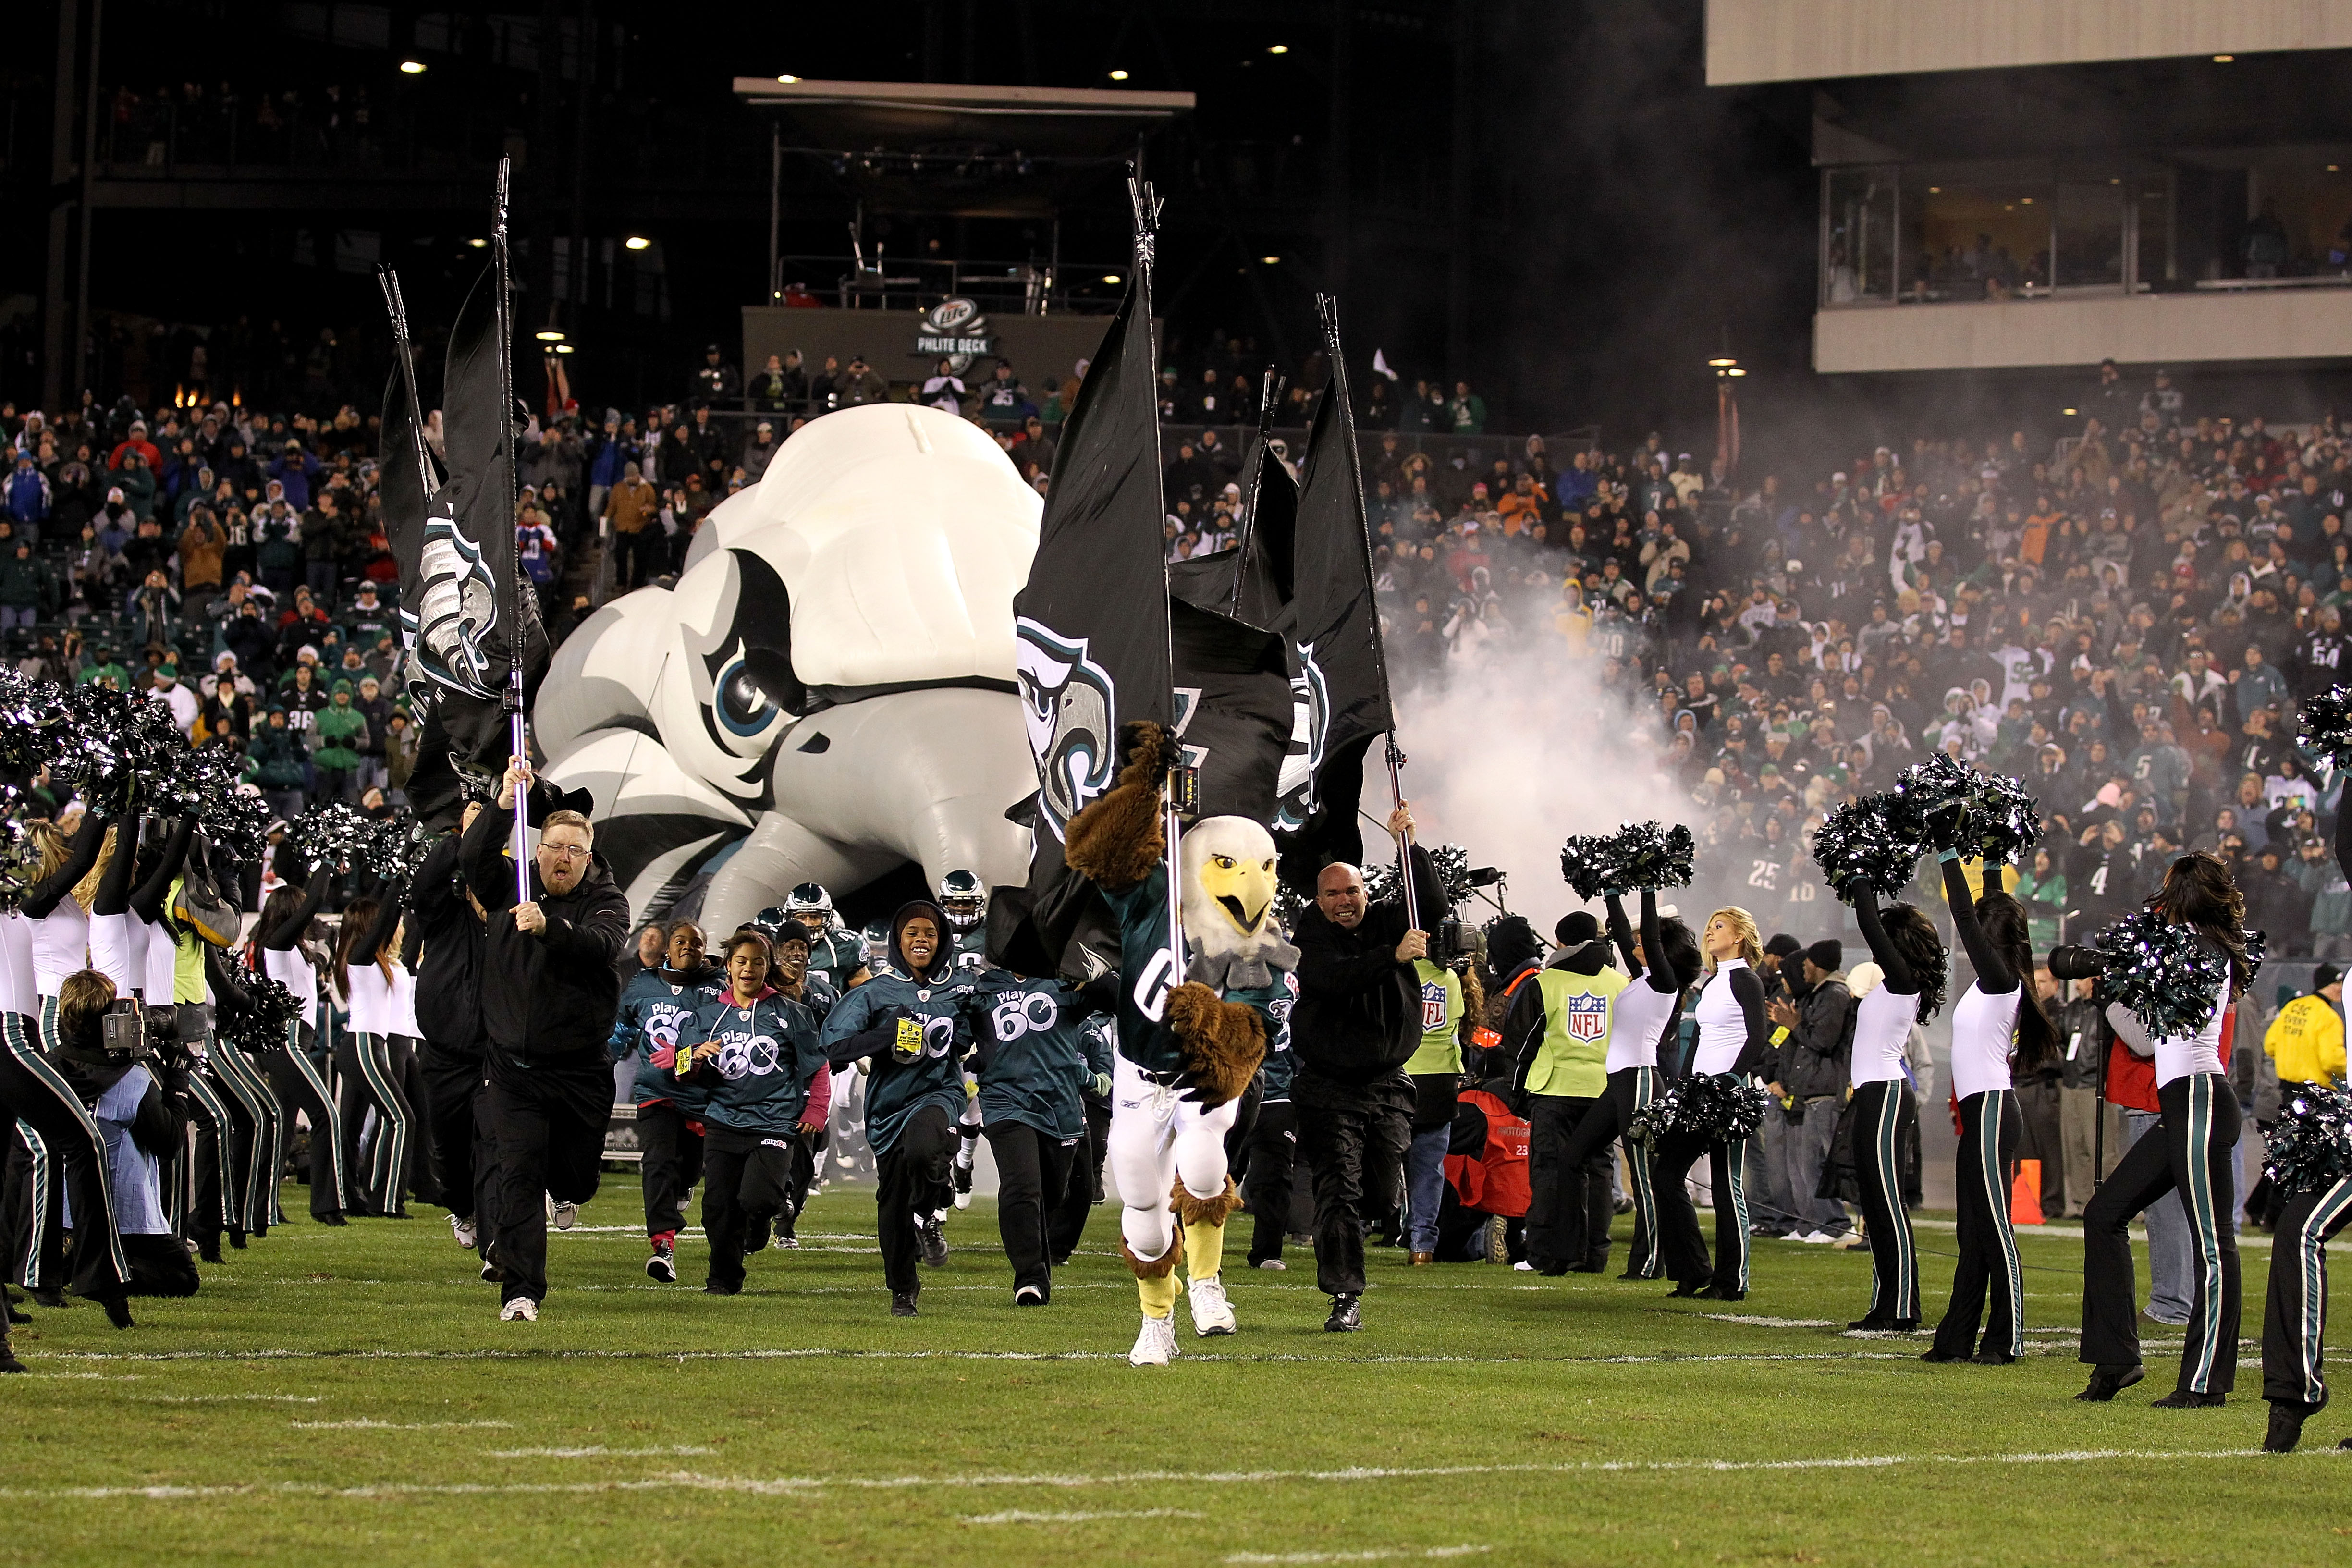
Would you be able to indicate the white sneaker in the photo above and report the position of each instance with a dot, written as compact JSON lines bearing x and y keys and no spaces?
{"x":1155,"y":1344}
{"x":560,"y":1213}
{"x":462,"y":1229}
{"x":1524,"y":1267}
{"x":522,"y":1309}
{"x":1212,"y":1313}
{"x":1274,"y":1263}
{"x":1818,"y":1238}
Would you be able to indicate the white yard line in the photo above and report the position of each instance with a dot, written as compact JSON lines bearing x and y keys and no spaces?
{"x":1024,"y":1516}
{"x":803,"y":1486}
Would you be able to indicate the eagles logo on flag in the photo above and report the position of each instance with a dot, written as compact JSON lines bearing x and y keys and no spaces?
{"x":1588,"y":1018}
{"x":1310,"y":696}
{"x":457,"y":610}
{"x":1070,"y":707}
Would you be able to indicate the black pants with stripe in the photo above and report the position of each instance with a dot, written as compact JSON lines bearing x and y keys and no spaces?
{"x":1679,"y":1239}
{"x":1880,"y":1110}
{"x":1991,"y":1125}
{"x":302,"y":1087}
{"x":2198,"y":1140}
{"x":2295,"y":1316}
{"x":364,"y":1079}
{"x":58,"y":1154}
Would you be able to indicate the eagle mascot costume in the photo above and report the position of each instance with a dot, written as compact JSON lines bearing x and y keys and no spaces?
{"x":1189,"y":1045}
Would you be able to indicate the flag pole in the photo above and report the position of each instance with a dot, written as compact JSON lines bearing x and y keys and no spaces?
{"x":1327,"y":307}
{"x":1267,"y":387}
{"x":390,"y":281}
{"x":518,"y":724}
{"x":1146,"y":209}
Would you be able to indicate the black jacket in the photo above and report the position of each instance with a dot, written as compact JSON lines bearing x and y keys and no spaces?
{"x":1358,"y":1013}
{"x":549,"y":997}
{"x":1816,"y":1058}
{"x":449,"y":966}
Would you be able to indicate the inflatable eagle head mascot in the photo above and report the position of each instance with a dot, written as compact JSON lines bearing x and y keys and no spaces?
{"x":1227,"y":899}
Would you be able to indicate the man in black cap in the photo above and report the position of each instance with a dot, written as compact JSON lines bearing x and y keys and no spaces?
{"x":1810,"y":1068}
{"x":716,"y":381}
{"x":1769,"y":1201}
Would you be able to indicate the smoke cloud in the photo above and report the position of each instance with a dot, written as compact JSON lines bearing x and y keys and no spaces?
{"x":1509,"y":757}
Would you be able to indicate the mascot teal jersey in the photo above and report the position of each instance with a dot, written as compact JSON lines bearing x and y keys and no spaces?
{"x":653,"y":1006}
{"x":865,"y":1024}
{"x":1150,"y":1043}
{"x":1040,"y":1050}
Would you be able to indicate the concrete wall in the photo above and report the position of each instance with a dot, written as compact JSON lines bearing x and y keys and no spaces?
{"x":2148,"y":330}
{"x":1806,"y":40}
{"x":1042,"y":348}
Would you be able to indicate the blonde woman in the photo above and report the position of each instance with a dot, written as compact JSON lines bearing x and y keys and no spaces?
{"x":1733,"y":1035}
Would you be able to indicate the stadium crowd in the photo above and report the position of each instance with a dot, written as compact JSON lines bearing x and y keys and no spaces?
{"x":2124,"y":618}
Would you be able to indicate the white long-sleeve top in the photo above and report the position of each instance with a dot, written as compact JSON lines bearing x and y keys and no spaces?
{"x":1882,"y":1028}
{"x":1984,"y":1040}
{"x":2175,"y":1058}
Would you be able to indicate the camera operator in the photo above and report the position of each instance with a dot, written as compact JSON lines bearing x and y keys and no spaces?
{"x":1357,"y":1023}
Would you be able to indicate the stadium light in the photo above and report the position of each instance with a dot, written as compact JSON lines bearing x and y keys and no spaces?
{"x":1112,"y":278}
{"x":1723,"y":362}
{"x":1277,"y":48}
{"x":2223,"y":60}
{"x":1735,"y":370}
{"x":412,"y":67}
{"x":479,"y":244}
{"x":550,"y":335}
{"x":788,"y":80}
{"x":1119,"y":76}
{"x":636,"y":242}
{"x":563,"y":347}
{"x":1271,"y":260}
{"x":2067,"y":413}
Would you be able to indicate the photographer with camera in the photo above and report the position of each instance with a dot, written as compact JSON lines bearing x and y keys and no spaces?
{"x":1358,"y":1022}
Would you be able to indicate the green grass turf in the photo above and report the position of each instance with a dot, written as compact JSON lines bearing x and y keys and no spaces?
{"x":348,"y":1396}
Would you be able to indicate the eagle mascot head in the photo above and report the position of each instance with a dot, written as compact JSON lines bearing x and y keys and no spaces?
{"x":1228,"y":905}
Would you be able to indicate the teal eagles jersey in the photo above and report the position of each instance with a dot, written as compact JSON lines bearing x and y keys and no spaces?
{"x":971,"y":951}
{"x":646,"y":1027}
{"x":768,"y":1057}
{"x":837,"y":955}
{"x":895,"y":1091}
{"x":1145,"y":982}
{"x":1039,"y":1050}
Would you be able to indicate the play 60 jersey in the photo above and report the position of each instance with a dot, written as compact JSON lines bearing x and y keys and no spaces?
{"x":654,"y":1006}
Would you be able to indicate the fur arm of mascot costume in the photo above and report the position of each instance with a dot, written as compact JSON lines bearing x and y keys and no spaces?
{"x":1116,"y":841}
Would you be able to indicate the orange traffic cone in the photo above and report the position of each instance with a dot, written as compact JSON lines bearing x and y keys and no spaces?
{"x":2025,"y":1194}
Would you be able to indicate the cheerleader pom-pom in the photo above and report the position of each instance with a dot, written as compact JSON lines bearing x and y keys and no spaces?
{"x":1711,"y":1107}
{"x":332,"y":834}
{"x":1451,"y":861}
{"x":2328,"y":724}
{"x":2162,"y":973}
{"x":261,"y":1026}
{"x":1638,"y":855}
{"x":1874,"y":841}
{"x":1584,"y":864}
{"x":2311,"y":1147}
{"x":2004,"y":822}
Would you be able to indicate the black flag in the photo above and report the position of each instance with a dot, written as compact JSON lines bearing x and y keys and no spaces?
{"x":462,"y":618}
{"x":1090,"y":629}
{"x":1339,"y":678}
{"x":1232,"y":709}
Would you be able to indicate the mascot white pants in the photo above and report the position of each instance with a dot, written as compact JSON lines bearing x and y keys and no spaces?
{"x":1165,"y":1150}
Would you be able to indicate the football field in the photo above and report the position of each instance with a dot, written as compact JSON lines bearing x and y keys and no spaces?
{"x":347,"y":1396}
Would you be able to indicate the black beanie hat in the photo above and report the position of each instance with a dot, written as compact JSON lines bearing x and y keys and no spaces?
{"x":1576,"y":929}
{"x":1827,"y":954}
{"x":1511,"y":941}
{"x":1783,"y":945}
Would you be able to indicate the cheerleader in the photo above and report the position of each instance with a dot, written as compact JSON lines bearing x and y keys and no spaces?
{"x":1645,"y":1012}
{"x":296,"y":1068}
{"x":364,"y":1081}
{"x":1904,"y":944}
{"x":259,"y":1147}
{"x":402,"y":1036}
{"x":1997,"y":1028}
{"x":1732,"y":1038}
{"x":61,"y":1152}
{"x":117,"y":945}
{"x":200,"y":1190}
{"x":2192,"y":1149}
{"x":2295,"y":1309}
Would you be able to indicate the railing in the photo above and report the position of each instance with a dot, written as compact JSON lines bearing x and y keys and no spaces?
{"x":1030,"y":287}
